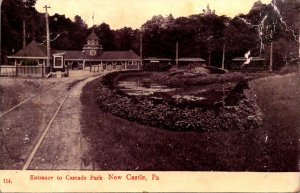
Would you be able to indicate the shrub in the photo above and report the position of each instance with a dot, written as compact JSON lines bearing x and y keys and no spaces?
{"x":243,"y":115}
{"x":159,"y":67}
{"x":183,"y":81}
{"x":215,"y":70}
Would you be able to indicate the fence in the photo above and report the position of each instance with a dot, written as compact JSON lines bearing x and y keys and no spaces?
{"x":6,"y":70}
{"x":98,"y":68}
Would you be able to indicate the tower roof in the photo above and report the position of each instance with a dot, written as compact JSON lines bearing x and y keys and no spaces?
{"x":93,"y":36}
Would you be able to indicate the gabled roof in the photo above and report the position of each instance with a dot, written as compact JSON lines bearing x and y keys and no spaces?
{"x":33,"y":49}
{"x":191,"y":60}
{"x":158,"y":59}
{"x":71,"y":54}
{"x":106,"y":55}
{"x":93,"y":36}
{"x":253,"y":58}
{"x":119,"y":55}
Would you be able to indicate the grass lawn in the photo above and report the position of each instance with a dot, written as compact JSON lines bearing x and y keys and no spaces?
{"x":279,"y":98}
{"x":118,"y":144}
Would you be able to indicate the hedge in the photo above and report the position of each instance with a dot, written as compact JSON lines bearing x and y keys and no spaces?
{"x":245,"y":114}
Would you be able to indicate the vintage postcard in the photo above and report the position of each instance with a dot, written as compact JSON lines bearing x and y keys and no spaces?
{"x":150,"y":96}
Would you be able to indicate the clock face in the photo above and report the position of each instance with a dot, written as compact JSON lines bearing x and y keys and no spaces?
{"x":93,"y":42}
{"x":93,"y":52}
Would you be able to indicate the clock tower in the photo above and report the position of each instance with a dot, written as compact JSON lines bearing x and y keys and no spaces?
{"x":93,"y":47}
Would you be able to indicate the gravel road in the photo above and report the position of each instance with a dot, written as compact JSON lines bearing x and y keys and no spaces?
{"x":63,"y":146}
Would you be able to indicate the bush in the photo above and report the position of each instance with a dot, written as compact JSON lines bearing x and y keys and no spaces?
{"x":182,"y":80}
{"x":215,"y":70}
{"x":244,"y":115}
{"x":158,"y":67}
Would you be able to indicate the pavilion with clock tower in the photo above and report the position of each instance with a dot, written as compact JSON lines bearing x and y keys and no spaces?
{"x":91,"y":56}
{"x":93,"y":48}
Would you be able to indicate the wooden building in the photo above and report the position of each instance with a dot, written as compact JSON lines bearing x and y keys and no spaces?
{"x":93,"y":56}
{"x":157,"y":64}
{"x":32,"y":59}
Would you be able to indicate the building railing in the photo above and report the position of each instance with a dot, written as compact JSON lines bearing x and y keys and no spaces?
{"x":19,"y":70}
{"x":98,"y":68}
{"x":6,"y":70}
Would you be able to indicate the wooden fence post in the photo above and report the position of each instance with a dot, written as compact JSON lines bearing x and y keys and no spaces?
{"x":16,"y":70}
{"x":43,"y":70}
{"x":67,"y":69}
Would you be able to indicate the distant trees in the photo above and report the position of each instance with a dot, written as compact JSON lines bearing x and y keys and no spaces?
{"x":13,"y":13}
{"x":127,"y":39}
{"x":106,"y":36}
{"x":277,"y":23}
{"x":198,"y":35}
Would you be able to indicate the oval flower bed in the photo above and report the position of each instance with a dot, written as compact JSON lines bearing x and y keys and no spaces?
{"x":240,"y":112}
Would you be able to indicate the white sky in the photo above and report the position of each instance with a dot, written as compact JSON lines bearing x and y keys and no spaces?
{"x":134,"y":13}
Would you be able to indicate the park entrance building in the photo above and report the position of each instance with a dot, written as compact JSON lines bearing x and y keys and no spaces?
{"x":92,"y":57}
{"x":31,"y":60}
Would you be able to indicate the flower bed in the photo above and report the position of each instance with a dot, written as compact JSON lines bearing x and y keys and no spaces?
{"x":242,"y":113}
{"x":194,"y":80}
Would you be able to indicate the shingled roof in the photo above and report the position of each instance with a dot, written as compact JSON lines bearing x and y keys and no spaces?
{"x":191,"y":60}
{"x":157,"y":59}
{"x":106,"y":55}
{"x":119,"y":55}
{"x":71,"y":54}
{"x":33,"y":49}
{"x":93,"y":36}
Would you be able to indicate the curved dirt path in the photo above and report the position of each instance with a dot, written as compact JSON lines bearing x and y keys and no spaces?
{"x":64,"y":147}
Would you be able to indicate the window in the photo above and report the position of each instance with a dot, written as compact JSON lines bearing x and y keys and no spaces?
{"x":58,"y":61}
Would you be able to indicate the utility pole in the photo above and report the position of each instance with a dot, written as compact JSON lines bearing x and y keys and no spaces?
{"x":141,"y":49}
{"x":48,"y":35}
{"x":0,"y":37}
{"x":299,"y":40}
{"x":177,"y":54}
{"x":141,"y":46}
{"x":223,"y":57}
{"x":299,"y":46}
{"x":209,"y":50}
{"x":24,"y":34}
{"x":271,"y":57}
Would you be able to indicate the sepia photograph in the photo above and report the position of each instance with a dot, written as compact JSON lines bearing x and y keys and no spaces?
{"x":150,"y":85}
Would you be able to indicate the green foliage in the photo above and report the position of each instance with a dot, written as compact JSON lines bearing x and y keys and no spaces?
{"x":197,"y":34}
{"x":161,"y":66}
{"x":127,"y":39}
{"x":106,"y":36}
{"x":276,"y":22}
{"x":13,"y":12}
{"x":243,"y":115}
{"x":179,"y":80}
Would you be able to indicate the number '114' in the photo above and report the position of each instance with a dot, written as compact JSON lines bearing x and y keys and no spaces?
{"x":7,"y":181}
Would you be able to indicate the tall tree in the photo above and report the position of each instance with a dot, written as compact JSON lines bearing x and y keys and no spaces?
{"x":275,"y":23}
{"x":13,"y":13}
{"x":124,"y":38}
{"x":106,"y":36}
{"x":80,"y":23}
